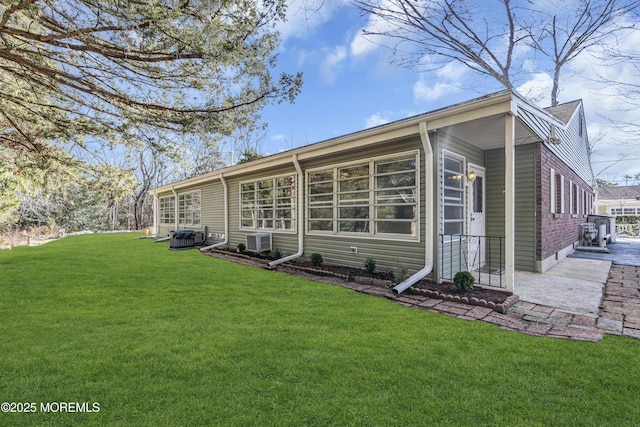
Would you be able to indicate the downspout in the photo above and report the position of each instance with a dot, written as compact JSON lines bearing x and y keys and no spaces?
{"x":156,"y":202}
{"x":175,"y":210}
{"x":300,"y":218}
{"x":428,"y":214}
{"x":225,"y":196}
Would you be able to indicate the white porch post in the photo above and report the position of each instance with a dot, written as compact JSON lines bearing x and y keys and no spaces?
{"x":155,"y":213}
{"x":509,"y":204}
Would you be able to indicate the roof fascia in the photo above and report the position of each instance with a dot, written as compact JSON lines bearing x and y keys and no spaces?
{"x":498,"y":103}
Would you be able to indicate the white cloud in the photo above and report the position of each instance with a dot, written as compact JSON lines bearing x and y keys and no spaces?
{"x":331,"y":64}
{"x":304,"y":17}
{"x":278,"y":137}
{"x":453,"y":71}
{"x":375,"y":120}
{"x":423,"y":92}
{"x":538,"y":89}
{"x":362,"y":45}
{"x":443,"y":82}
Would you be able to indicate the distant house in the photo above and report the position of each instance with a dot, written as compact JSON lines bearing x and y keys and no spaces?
{"x":490,"y":186}
{"x":618,"y":200}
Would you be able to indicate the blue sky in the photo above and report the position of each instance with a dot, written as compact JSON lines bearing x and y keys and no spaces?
{"x":349,"y":85}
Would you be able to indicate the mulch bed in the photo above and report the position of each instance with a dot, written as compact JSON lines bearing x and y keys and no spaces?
{"x":477,"y":296}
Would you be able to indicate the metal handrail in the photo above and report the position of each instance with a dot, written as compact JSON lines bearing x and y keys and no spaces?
{"x":482,"y":256}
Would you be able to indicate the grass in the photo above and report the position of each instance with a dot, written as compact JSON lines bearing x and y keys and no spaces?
{"x":158,"y":337}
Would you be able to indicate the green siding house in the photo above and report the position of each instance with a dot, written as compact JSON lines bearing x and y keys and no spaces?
{"x":489,"y":186}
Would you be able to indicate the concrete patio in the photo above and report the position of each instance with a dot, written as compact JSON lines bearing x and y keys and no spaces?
{"x":576,"y":284}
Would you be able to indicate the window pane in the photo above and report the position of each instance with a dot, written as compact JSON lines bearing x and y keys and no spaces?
{"x":353,"y":226}
{"x":395,"y":212}
{"x":284,"y":224}
{"x":321,"y":213}
{"x":452,"y":179}
{"x":452,"y":228}
{"x":384,"y":166}
{"x":284,"y":213}
{"x":353,"y":185}
{"x":391,"y":227}
{"x":321,"y":176}
{"x":477,"y":195}
{"x":321,"y":225}
{"x":353,"y":171}
{"x":453,"y":212}
{"x":265,"y":184}
{"x":354,"y":212}
{"x":265,"y":194}
{"x":321,"y":188}
{"x":451,"y":164}
{"x":285,"y":181}
{"x":396,"y":180}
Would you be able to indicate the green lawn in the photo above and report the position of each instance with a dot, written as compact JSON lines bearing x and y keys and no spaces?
{"x":159,"y":337}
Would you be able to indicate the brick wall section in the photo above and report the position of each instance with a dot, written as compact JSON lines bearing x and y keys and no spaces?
{"x":555,"y":231}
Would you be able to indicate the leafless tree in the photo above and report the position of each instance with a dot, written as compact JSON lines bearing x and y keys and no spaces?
{"x":489,"y":36}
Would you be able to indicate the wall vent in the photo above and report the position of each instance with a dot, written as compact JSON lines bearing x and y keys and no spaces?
{"x":259,"y":242}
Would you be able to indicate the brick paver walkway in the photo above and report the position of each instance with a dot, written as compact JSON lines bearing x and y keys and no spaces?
{"x":620,"y":313}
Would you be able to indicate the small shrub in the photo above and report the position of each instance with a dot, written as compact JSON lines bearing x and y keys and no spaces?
{"x":241,"y":247}
{"x":316,"y":259}
{"x":402,"y":274}
{"x":276,"y":254}
{"x":463,"y":281}
{"x":370,"y":265}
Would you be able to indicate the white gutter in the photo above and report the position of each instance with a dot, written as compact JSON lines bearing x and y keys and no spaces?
{"x":300,"y":184}
{"x":225,"y":196}
{"x":428,"y":214}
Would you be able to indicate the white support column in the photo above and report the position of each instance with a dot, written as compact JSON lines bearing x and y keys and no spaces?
{"x":175,"y":209}
{"x":155,"y":209}
{"x":509,"y":201}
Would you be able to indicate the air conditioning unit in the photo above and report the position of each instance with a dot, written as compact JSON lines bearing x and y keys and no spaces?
{"x":259,"y":242}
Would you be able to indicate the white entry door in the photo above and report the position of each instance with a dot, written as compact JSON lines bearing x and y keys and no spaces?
{"x":476,"y":208}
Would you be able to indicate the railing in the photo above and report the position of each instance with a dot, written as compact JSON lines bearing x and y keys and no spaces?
{"x":482,"y":256}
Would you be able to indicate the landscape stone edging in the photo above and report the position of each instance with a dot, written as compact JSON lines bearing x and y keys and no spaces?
{"x":500,"y":308}
{"x":318,"y":271}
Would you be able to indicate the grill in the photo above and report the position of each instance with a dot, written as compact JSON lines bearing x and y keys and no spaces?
{"x":185,"y":239}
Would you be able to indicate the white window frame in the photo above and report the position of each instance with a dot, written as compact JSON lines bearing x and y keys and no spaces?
{"x":333,"y":200}
{"x":462,"y":190}
{"x":190,"y":208}
{"x":574,"y":198}
{"x":273,"y":212}
{"x":553,"y":199}
{"x":167,"y":210}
